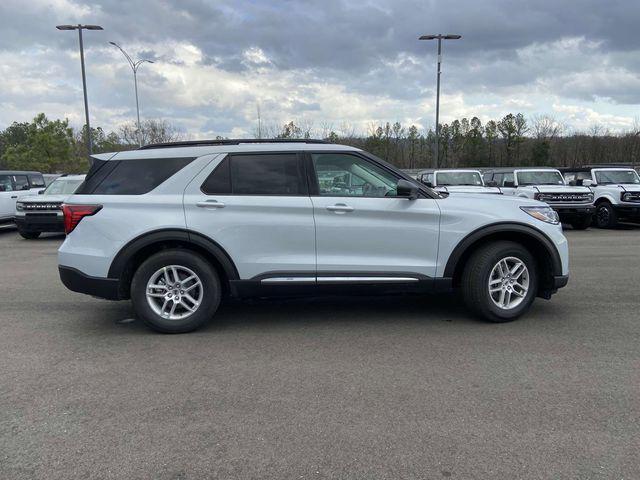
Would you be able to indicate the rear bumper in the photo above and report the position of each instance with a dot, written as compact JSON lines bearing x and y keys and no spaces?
{"x":30,"y":223}
{"x":79,"y":282}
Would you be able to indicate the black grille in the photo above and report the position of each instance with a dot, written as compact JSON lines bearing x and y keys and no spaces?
{"x":565,"y":197}
{"x":38,"y":207}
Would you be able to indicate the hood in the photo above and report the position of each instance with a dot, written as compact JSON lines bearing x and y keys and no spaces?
{"x":627,"y":187}
{"x":469,"y":189}
{"x":43,"y":198}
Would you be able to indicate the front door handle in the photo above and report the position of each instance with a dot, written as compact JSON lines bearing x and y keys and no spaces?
{"x":340,"y":208}
{"x":210,"y":204}
{"x":14,"y":196}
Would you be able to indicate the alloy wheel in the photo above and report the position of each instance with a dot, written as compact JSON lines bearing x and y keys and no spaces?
{"x":508,"y":283}
{"x":174,"y":292}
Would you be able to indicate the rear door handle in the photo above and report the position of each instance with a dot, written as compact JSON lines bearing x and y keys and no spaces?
{"x":340,"y":208}
{"x":210,"y":204}
{"x":14,"y":196}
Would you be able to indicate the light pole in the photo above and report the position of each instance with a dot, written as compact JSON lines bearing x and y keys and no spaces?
{"x":80,"y":27}
{"x":439,"y":37}
{"x":134,"y":66}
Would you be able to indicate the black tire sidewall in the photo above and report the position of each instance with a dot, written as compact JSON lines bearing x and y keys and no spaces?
{"x":485,"y":306}
{"x":611,"y":218}
{"x":28,"y":235}
{"x":211,"y":291}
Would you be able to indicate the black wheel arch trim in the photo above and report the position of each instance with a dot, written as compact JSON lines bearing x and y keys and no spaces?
{"x":127,"y":253}
{"x":503,"y":227}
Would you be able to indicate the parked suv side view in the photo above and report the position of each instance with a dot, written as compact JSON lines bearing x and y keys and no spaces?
{"x":178,"y":227}
{"x":616,"y":191}
{"x":13,"y":185}
{"x":574,"y":204}
{"x":456,"y":181}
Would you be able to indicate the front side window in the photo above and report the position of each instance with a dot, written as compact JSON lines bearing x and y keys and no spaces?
{"x":21,"y":181}
{"x":37,"y":181}
{"x":257,"y":174}
{"x":344,"y":175}
{"x":617,"y":176}
{"x":458,"y":178}
{"x":6,"y":185}
{"x":540,"y":177}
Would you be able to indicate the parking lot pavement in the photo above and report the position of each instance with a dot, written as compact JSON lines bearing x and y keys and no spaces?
{"x":382,"y":388}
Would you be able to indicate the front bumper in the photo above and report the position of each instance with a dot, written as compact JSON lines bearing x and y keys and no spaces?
{"x":40,"y":222}
{"x":568,"y":212}
{"x":79,"y":282}
{"x":628,"y":212}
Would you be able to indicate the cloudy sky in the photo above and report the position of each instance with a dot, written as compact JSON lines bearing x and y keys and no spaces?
{"x":328,"y":63}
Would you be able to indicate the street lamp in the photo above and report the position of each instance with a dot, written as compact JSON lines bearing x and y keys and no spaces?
{"x":84,"y":79}
{"x":439,"y":37}
{"x":134,"y":66}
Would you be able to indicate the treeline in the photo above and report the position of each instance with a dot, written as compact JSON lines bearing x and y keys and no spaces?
{"x":53,"y":146}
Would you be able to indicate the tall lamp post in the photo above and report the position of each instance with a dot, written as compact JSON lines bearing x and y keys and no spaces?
{"x":134,"y":66}
{"x":439,"y":37}
{"x":80,"y":27}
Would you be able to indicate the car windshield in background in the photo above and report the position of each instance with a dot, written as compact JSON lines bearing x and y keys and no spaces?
{"x":458,"y":178}
{"x":63,"y":187}
{"x":617,"y":176}
{"x":540,"y":177}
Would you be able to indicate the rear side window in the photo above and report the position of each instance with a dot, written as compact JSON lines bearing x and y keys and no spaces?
{"x":21,"y":181}
{"x":130,"y":177}
{"x":257,"y":174}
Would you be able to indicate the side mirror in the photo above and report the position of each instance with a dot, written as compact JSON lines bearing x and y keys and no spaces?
{"x":40,"y":192}
{"x":429,"y":184}
{"x":25,"y":187}
{"x":508,"y":184}
{"x":491,"y":183}
{"x":406,"y":189}
{"x":588,"y":183}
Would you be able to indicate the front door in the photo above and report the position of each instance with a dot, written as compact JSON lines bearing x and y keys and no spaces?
{"x":363,"y":227}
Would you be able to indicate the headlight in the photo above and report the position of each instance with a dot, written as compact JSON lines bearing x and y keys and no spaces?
{"x":630,"y":197}
{"x":544,"y":214}
{"x":19,"y":206}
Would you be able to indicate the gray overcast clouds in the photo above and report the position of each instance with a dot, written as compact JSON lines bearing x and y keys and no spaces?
{"x":332,"y":62}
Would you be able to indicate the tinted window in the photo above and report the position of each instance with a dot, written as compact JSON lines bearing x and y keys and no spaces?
{"x":21,"y":181}
{"x":508,"y":177}
{"x":220,"y":179}
{"x":131,"y":177}
{"x":6,"y":185}
{"x":279,"y":174}
{"x":343,"y":175}
{"x":37,"y":181}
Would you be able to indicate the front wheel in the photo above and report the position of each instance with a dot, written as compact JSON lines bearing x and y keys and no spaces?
{"x":175,"y":291}
{"x":606,"y":216}
{"x":500,"y":281}
{"x":29,"y":235}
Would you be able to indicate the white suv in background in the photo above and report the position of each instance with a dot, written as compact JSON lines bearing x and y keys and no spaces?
{"x":177,"y":227}
{"x":574,"y":204}
{"x":616,"y":190}
{"x":456,"y":181}
{"x":13,"y":185}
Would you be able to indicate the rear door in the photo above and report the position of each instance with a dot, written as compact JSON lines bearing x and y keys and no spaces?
{"x":257,"y":207}
{"x":362,"y":227}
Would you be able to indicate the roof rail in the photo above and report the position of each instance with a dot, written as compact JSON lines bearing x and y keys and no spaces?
{"x":226,"y":141}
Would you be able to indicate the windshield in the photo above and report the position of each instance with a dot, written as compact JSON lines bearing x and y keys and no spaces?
{"x":540,"y":177}
{"x":63,"y":187}
{"x":458,"y":178}
{"x":617,"y":176}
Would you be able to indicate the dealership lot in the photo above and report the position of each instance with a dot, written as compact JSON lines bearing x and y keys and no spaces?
{"x":333,"y":388}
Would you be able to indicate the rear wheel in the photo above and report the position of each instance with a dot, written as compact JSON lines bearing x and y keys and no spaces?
{"x":582,"y":223}
{"x":606,"y":216}
{"x":29,"y":235}
{"x":175,"y":291}
{"x":500,"y":281}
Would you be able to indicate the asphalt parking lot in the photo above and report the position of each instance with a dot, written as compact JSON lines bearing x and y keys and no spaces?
{"x":382,"y":388}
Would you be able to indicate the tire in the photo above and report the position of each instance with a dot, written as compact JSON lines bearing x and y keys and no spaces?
{"x":186,"y":264}
{"x":582,"y":223}
{"x":606,"y":216}
{"x":478,"y":271}
{"x":29,"y":235}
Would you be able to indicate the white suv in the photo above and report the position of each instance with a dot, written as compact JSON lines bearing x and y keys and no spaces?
{"x":616,"y":190}
{"x":13,"y":185}
{"x":177,"y":227}
{"x":574,"y":204}
{"x":457,"y":181}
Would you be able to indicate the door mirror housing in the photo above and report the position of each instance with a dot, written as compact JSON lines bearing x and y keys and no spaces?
{"x":40,"y":192}
{"x":491,"y":183}
{"x":588,"y":183}
{"x":407,"y":189}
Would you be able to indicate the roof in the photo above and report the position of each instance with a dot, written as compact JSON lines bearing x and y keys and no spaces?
{"x":588,"y":168}
{"x":200,"y":148}
{"x":19,"y":172}
{"x":512,"y":169}
{"x":431,"y":170}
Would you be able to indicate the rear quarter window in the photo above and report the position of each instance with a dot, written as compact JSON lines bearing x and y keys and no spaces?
{"x":37,"y":181}
{"x":130,"y":177}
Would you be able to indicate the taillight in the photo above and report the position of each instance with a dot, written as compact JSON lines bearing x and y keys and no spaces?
{"x":74,"y":213}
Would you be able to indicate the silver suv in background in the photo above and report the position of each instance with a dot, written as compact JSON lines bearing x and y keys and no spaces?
{"x":36,"y":214}
{"x":456,"y":181}
{"x":616,"y":191}
{"x":574,"y":204}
